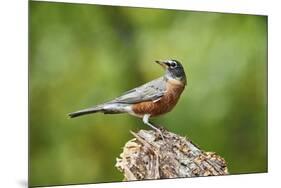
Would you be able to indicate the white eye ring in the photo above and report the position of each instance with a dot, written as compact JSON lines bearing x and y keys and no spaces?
{"x":173,"y":64}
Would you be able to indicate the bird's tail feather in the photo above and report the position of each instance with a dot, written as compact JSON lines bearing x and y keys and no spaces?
{"x":85,"y":111}
{"x":106,"y":108}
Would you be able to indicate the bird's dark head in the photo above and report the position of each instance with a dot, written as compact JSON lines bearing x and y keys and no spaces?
{"x":174,"y":70}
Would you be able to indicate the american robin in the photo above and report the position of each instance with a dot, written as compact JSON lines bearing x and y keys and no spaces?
{"x":154,"y":98}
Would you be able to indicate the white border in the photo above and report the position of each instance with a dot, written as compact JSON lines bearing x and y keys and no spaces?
{"x":13,"y":91}
{"x":232,"y":6}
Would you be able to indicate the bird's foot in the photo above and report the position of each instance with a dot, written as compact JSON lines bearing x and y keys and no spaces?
{"x":158,"y":130}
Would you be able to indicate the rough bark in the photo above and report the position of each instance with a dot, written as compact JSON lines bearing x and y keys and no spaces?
{"x":148,"y":156}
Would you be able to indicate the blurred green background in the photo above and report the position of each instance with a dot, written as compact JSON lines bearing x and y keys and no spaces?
{"x":82,"y":55}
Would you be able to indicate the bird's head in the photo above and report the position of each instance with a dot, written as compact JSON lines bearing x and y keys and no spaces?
{"x":174,"y":70}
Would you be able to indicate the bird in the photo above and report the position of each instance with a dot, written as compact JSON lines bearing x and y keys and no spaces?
{"x":151,"y":99}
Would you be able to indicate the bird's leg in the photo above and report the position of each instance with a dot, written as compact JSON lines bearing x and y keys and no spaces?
{"x":145,"y":119}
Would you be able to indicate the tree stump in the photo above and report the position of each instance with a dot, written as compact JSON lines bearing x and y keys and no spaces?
{"x":148,"y":156}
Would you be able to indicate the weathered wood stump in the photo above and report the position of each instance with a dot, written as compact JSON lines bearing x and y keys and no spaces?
{"x":147,"y":156}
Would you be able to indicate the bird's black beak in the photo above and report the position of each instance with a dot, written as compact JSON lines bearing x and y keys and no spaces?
{"x":163,"y":64}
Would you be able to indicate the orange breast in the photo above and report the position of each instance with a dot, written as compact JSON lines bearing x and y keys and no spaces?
{"x":164,"y":105}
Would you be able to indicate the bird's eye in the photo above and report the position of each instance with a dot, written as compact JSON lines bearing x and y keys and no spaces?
{"x":173,"y":64}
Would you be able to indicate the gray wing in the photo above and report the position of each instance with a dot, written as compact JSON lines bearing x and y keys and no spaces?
{"x":150,"y":91}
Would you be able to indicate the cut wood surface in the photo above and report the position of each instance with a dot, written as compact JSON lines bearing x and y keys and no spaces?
{"x":148,"y":156}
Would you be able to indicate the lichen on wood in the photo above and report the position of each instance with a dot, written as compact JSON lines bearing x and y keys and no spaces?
{"x":148,"y":156}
